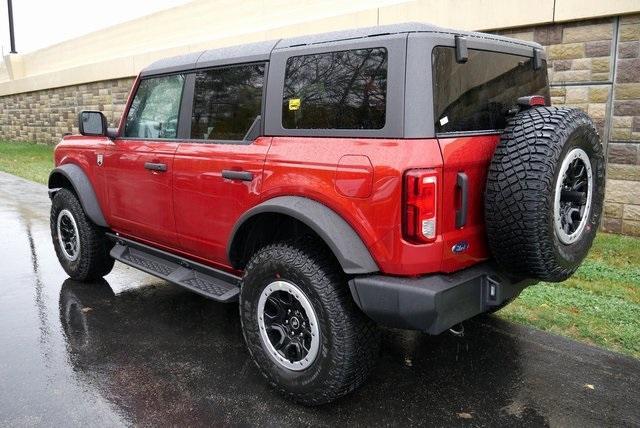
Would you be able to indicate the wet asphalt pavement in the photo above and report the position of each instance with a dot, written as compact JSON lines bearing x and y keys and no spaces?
{"x":133,"y":349}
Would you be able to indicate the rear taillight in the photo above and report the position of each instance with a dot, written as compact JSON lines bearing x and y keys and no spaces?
{"x":420,"y":205}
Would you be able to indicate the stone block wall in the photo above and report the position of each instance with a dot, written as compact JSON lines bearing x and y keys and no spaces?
{"x":595,"y":66}
{"x":45,"y":116}
{"x":623,"y":183}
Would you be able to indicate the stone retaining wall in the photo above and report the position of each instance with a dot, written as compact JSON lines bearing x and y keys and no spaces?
{"x":593,"y":65}
{"x":45,"y":116}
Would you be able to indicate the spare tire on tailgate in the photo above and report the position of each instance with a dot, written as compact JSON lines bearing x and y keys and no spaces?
{"x":545,"y":190}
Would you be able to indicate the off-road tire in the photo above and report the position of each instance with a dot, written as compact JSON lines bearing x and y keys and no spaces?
{"x":521,"y":187}
{"x":349,"y":340}
{"x":94,"y":260}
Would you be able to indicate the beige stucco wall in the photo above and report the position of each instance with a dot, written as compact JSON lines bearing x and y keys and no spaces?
{"x":569,"y":10}
{"x":470,"y":14}
{"x":122,"y":50}
{"x":4,"y":73}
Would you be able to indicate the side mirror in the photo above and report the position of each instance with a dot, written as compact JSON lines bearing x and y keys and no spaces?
{"x":92,"y":123}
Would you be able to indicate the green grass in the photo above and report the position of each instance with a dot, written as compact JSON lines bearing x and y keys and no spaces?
{"x":28,"y":160}
{"x":600,"y":304}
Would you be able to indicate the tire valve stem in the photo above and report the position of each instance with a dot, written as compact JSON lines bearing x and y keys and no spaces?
{"x":457,"y":330}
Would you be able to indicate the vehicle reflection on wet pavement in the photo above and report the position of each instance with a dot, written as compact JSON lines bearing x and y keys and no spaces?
{"x":132,"y":349}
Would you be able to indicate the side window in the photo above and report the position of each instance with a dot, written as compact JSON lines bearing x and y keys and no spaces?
{"x":226,"y":102}
{"x":155,"y":108}
{"x":336,"y":90}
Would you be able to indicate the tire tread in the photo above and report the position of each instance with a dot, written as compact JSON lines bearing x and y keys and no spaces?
{"x":94,"y":261}
{"x":356,"y":337}
{"x":520,"y":187}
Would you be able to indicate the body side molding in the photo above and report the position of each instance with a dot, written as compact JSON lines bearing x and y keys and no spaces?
{"x":344,"y":242}
{"x":83,"y":188}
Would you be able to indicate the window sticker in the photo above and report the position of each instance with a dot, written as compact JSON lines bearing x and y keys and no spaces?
{"x":444,"y":121}
{"x":294,"y":104}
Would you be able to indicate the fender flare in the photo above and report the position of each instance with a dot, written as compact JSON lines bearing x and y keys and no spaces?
{"x":352,"y":254}
{"x":82,"y":187}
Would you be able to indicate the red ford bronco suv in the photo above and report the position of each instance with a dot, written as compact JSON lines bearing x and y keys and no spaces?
{"x":407,"y":176}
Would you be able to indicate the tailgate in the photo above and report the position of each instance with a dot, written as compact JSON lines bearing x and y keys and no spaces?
{"x":466,"y":161}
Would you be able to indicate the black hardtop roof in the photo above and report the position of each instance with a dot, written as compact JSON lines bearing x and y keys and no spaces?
{"x":261,"y":51}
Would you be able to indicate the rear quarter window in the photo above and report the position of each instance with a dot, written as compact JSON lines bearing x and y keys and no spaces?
{"x":476,"y":95}
{"x":336,"y":90}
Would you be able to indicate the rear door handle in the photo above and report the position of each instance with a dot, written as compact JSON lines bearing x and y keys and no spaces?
{"x":237,"y":175}
{"x":153,"y":166}
{"x":461,"y":214}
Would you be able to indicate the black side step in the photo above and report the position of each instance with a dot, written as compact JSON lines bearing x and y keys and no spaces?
{"x":210,"y":282}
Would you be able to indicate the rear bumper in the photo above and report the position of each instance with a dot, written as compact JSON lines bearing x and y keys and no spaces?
{"x":434,"y":303}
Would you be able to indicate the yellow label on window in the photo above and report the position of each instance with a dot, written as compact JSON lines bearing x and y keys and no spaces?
{"x":294,"y":103}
